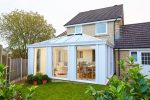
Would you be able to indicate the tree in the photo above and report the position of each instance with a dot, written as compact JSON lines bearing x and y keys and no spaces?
{"x":20,"y":28}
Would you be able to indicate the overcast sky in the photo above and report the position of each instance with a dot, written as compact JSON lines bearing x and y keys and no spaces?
{"x":58,"y":12}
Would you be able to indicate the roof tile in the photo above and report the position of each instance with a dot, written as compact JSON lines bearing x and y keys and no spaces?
{"x":97,"y":15}
{"x":134,"y":36}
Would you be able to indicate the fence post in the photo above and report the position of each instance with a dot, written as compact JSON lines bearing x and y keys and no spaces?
{"x":21,"y":68}
{"x":9,"y":69}
{"x":1,"y":49}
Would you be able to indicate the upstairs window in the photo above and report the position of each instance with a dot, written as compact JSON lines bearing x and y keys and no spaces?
{"x":78,"y":29}
{"x":101,"y":28}
{"x":134,"y":55}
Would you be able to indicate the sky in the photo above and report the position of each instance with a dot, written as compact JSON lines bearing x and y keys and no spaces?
{"x":59,"y":12}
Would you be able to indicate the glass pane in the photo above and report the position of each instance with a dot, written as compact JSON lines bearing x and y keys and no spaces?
{"x":40,"y":60}
{"x":86,"y":63}
{"x":78,"y":29}
{"x":60,"y":62}
{"x":134,"y":55}
{"x":101,"y":28}
{"x":149,"y":62}
{"x":142,"y":62}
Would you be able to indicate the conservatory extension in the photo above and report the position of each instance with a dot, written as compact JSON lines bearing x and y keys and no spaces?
{"x":74,"y":57}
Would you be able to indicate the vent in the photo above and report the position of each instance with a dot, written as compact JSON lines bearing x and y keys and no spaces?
{"x":71,"y":34}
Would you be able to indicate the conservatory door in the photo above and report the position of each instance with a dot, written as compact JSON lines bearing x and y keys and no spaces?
{"x":85,"y":63}
{"x":60,"y":62}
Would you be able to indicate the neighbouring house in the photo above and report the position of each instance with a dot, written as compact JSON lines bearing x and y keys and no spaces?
{"x":91,"y":46}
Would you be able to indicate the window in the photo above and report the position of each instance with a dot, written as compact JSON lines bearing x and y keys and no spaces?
{"x":59,"y":56}
{"x":134,"y":55}
{"x":145,"y":58}
{"x":80,"y":54}
{"x":38,"y":60}
{"x":101,"y":28}
{"x":85,"y":69}
{"x":93,"y":55}
{"x":60,"y":62}
{"x":78,"y":29}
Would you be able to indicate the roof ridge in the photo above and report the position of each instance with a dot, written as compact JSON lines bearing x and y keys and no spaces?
{"x":101,"y":8}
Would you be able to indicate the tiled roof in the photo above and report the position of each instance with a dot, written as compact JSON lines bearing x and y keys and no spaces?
{"x":62,"y":34}
{"x":97,"y":15}
{"x":134,"y":36}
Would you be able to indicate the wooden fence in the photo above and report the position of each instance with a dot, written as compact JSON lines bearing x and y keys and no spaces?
{"x":18,"y":68}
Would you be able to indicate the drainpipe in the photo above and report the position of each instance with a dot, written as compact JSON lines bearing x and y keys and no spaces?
{"x":114,"y":44}
{"x":118,"y":61}
{"x":114,"y":49}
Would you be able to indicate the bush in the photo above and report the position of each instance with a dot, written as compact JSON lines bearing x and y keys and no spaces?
{"x":30,"y":78}
{"x":133,"y":86}
{"x":9,"y":91}
{"x":45,"y":77}
{"x":38,"y":77}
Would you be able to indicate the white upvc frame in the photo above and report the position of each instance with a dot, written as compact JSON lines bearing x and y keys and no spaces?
{"x":146,"y":68}
{"x":30,"y":61}
{"x":79,"y":80}
{"x":75,"y":28}
{"x":139,"y":52}
{"x":100,"y":63}
{"x":99,"y":34}
{"x":49,"y":61}
{"x":141,"y":57}
{"x":137,"y":55}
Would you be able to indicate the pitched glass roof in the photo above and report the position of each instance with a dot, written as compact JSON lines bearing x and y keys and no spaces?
{"x":74,"y":39}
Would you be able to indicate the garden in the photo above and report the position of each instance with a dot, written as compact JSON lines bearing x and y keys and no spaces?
{"x":131,"y":86}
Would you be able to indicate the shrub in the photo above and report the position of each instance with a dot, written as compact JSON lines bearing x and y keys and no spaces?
{"x":45,"y":77}
{"x":30,"y":78}
{"x":9,"y":91}
{"x":133,"y":86}
{"x":35,"y":78}
{"x":38,"y":77}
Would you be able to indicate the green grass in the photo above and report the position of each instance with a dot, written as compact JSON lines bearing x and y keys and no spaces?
{"x":62,"y":91}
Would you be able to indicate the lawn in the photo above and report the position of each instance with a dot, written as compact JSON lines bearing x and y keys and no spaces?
{"x":62,"y":91}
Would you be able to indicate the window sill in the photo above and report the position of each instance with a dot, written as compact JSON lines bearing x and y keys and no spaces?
{"x":101,"y":35}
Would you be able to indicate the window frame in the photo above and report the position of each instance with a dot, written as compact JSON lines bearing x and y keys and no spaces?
{"x":105,"y":33}
{"x":77,"y":27}
{"x":141,"y":59}
{"x":136,"y":55}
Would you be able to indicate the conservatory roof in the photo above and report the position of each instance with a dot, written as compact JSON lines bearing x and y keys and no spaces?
{"x":71,"y":39}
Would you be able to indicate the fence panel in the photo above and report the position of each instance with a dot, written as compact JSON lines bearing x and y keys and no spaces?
{"x":17,"y":69}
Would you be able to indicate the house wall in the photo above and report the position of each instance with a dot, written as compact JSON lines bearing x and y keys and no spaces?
{"x":123,"y":56}
{"x":90,"y":30}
